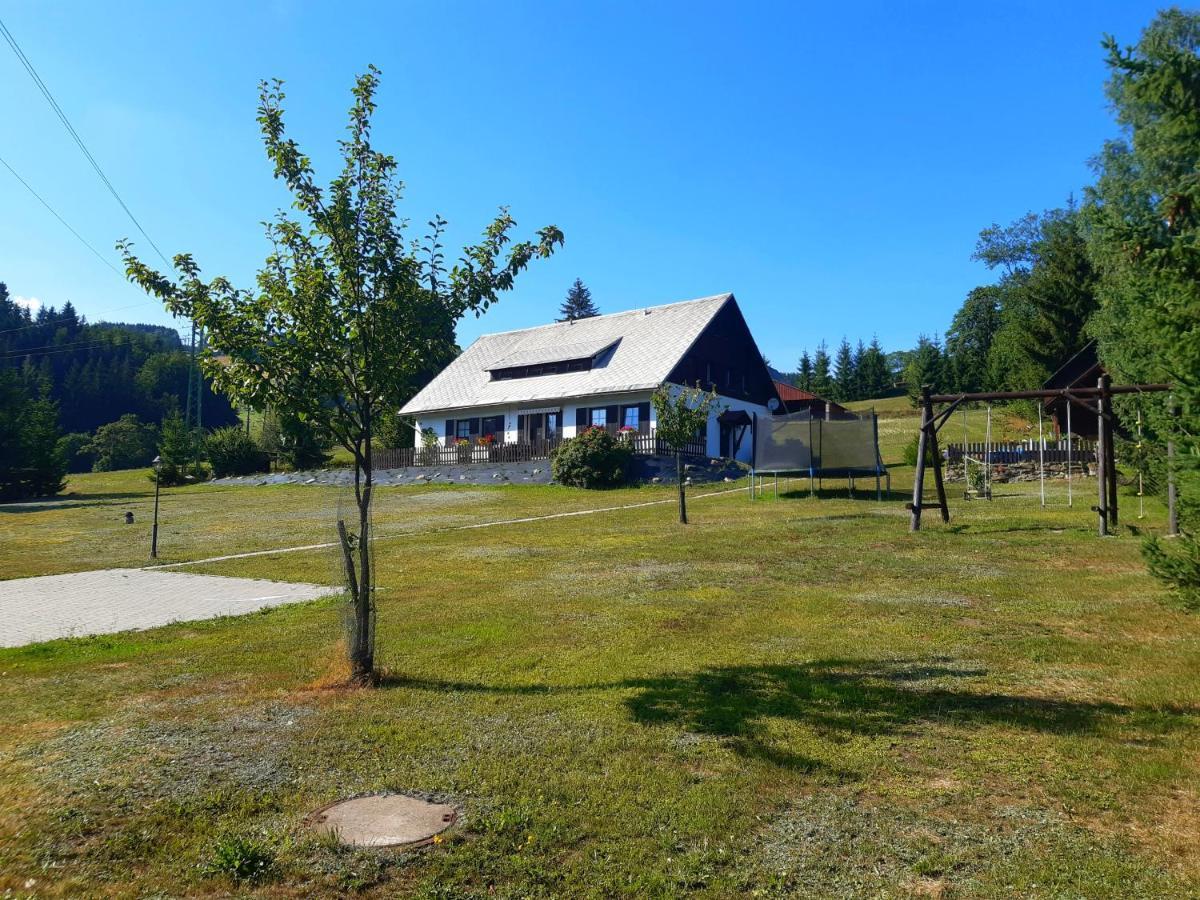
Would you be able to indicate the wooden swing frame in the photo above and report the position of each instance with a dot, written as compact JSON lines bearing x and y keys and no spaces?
{"x":1097,"y":400}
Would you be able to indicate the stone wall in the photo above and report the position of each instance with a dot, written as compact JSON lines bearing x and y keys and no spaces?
{"x":1023,"y":471}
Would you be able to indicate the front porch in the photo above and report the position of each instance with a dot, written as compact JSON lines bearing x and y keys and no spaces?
{"x":482,"y":451}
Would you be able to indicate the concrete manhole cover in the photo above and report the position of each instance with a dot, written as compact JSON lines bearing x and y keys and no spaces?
{"x":383,"y":820}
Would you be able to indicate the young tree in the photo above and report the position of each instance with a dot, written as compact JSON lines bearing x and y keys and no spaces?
{"x":347,"y":309}
{"x":804,"y":373}
{"x":822,"y":380}
{"x":177,"y":450}
{"x":681,"y":413}
{"x":578,"y":304}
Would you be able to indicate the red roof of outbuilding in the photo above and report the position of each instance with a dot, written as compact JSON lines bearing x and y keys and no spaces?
{"x":791,"y":392}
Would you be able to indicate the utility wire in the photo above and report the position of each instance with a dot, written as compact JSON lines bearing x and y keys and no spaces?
{"x":65,"y":223}
{"x":41,"y":85}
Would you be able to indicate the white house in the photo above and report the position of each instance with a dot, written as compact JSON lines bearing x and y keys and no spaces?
{"x":552,"y":381}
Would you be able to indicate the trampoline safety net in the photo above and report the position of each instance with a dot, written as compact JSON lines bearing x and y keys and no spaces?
{"x":801,"y":444}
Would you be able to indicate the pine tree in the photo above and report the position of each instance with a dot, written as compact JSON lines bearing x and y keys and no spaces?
{"x":925,"y":366}
{"x":804,"y":373}
{"x":578,"y":304}
{"x":844,"y":377}
{"x":874,"y":376}
{"x":822,"y":381}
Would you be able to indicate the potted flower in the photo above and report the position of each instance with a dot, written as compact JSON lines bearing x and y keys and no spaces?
{"x":488,"y":443}
{"x":464,"y":449}
{"x":626,"y":432}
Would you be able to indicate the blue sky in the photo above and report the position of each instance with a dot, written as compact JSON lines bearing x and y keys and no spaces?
{"x":831,"y":165}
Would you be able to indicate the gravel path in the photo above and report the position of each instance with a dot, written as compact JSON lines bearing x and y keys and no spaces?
{"x":111,"y":600}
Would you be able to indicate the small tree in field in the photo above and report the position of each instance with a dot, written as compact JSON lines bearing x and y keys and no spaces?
{"x":682,"y":412}
{"x":347,"y":310}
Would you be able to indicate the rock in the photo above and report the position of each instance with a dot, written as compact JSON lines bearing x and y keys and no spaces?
{"x":310,"y":481}
{"x":537,"y":472}
{"x":656,"y":479}
{"x":728,"y":480}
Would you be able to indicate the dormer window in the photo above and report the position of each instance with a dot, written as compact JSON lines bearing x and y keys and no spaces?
{"x":534,"y":361}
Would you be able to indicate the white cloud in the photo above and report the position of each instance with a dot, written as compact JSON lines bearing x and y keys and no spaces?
{"x":33,"y":304}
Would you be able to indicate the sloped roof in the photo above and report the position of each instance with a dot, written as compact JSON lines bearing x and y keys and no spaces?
{"x":791,"y":392}
{"x":649,"y":342}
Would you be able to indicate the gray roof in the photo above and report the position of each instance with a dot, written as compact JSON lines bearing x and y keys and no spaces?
{"x":649,"y":343}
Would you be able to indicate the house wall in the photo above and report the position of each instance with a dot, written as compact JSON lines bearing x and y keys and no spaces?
{"x":437,"y":421}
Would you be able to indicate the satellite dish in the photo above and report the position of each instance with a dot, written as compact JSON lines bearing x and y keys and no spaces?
{"x":773,"y":404}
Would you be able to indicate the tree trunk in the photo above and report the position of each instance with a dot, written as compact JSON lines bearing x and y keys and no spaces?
{"x":362,"y":636}
{"x":679,"y":479}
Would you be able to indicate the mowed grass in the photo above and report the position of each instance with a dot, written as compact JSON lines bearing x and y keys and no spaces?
{"x":791,"y":697}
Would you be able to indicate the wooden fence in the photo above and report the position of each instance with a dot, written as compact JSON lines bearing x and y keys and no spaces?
{"x":1009,"y":452}
{"x":498,"y":452}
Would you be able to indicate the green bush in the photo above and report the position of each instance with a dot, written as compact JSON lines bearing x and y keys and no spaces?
{"x":910,"y":452}
{"x":233,"y":452}
{"x":594,"y":459}
{"x":1177,"y":562}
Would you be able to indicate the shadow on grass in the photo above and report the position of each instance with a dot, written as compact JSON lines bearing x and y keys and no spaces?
{"x":837,"y":699}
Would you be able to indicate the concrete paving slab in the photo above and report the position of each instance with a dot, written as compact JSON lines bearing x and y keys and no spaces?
{"x":111,"y":600}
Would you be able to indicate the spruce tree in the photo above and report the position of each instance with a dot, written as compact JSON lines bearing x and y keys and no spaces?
{"x":578,"y":304}
{"x":822,"y":380}
{"x":844,"y":377}
{"x":804,"y":373}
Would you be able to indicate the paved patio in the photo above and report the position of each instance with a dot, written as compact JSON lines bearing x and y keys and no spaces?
{"x":110,"y":600}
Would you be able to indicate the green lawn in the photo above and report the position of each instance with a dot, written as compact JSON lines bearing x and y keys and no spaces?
{"x":792,"y":697}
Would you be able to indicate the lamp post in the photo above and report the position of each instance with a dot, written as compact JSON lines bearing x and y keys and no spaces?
{"x":154,"y":531}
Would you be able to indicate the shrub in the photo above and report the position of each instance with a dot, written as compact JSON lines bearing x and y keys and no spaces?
{"x":233,"y":452}
{"x":126,"y":443}
{"x":293,"y":442}
{"x":75,"y":449}
{"x":594,"y":459}
{"x":910,"y":452}
{"x":1176,"y":562}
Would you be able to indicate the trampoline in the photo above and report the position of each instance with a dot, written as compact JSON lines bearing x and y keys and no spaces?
{"x":801,"y":445}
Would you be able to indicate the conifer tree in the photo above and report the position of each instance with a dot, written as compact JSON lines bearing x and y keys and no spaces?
{"x":804,"y":373}
{"x":843,"y":385}
{"x":578,"y":304}
{"x":822,"y":380}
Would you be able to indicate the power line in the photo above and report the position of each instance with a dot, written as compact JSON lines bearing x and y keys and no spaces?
{"x":41,"y":85}
{"x":65,"y":223}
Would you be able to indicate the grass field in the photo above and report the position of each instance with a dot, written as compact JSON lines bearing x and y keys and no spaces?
{"x":785,"y":698}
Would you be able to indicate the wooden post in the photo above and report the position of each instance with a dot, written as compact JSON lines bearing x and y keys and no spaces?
{"x":1172,"y":515}
{"x":914,"y":523}
{"x":1102,"y":457}
{"x":937,"y":460}
{"x":1110,"y":444}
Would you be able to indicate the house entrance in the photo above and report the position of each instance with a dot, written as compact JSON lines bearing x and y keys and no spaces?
{"x":535,"y":427}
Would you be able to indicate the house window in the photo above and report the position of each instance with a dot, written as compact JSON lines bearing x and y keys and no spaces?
{"x":599,"y":417}
{"x":463,"y":429}
{"x":493,"y":425}
{"x":631,"y":417}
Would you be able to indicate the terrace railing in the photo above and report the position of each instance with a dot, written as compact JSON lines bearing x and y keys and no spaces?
{"x":515,"y":452}
{"x":1010,"y":452}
